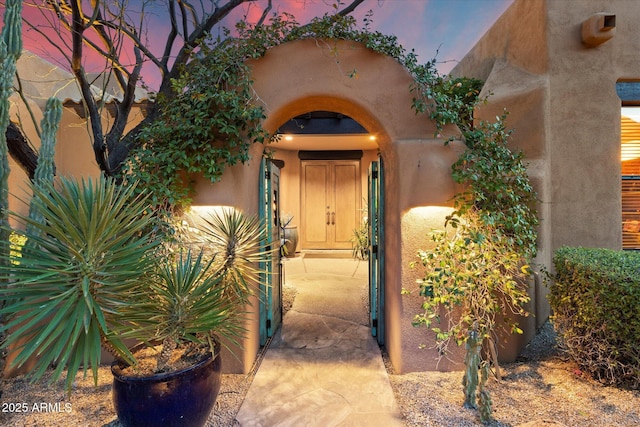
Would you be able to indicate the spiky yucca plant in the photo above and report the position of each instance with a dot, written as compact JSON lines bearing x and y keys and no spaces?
{"x":86,"y":263}
{"x":199,"y":294}
{"x":237,"y":242}
{"x":95,"y":274}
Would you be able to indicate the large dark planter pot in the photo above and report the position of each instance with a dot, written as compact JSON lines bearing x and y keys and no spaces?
{"x":181,"y":398}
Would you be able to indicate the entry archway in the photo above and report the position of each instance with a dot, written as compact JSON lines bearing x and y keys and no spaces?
{"x":325,"y":181}
{"x":373,"y":89}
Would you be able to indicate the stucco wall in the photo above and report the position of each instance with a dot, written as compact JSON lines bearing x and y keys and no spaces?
{"x":304,"y":76}
{"x":563,"y":106}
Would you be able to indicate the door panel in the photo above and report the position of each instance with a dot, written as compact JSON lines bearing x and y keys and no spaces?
{"x":376,"y":250}
{"x":271,"y":274}
{"x":315,"y":181}
{"x":330,"y":198}
{"x":346,"y":186}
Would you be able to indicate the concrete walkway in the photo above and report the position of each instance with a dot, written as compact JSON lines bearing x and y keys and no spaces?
{"x":323,"y":368}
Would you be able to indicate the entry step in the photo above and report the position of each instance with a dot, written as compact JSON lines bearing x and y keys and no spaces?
{"x":327,"y":253}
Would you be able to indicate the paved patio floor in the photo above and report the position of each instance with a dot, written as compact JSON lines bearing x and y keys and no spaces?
{"x":323,"y":367}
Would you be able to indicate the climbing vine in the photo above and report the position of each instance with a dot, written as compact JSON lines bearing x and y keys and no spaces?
{"x":215,"y":117}
{"x":476,"y":268}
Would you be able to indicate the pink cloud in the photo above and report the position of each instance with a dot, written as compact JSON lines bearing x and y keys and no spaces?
{"x":452,"y":26}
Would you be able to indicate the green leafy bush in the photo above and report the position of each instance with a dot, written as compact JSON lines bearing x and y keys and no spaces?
{"x":595,"y":298}
{"x":477,"y":269}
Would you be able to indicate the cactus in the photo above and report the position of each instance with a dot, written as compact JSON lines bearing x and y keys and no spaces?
{"x":10,"y":49}
{"x":474,"y":382}
{"x":12,"y":31}
{"x":471,"y":362}
{"x":45,"y":169}
{"x":50,"y":123}
{"x":485,"y":404}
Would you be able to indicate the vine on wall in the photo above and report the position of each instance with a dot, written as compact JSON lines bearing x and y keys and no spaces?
{"x":478,"y":267}
{"x":216,"y":117}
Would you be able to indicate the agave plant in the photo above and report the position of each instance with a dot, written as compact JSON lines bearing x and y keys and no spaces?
{"x":82,"y":266}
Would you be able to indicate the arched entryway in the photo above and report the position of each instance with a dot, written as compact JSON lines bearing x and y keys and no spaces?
{"x":344,"y":77}
{"x":324,"y":183}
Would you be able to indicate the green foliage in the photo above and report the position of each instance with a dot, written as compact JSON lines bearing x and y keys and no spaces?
{"x":10,"y":50}
{"x":210,"y":123}
{"x":96,"y":273}
{"x":238,"y":244}
{"x":85,"y":262}
{"x":475,"y":278}
{"x":45,"y":169}
{"x":197,"y":295}
{"x":211,"y":120}
{"x":497,"y":187}
{"x":477,"y":268}
{"x":447,"y":100}
{"x":476,"y":271}
{"x":213,"y":117}
{"x":360,"y":239}
{"x":595,"y":298}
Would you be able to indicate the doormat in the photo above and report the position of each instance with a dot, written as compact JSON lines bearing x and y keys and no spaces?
{"x":327,"y":253}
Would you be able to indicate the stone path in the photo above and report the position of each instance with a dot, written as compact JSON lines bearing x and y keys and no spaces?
{"x":323,"y":368}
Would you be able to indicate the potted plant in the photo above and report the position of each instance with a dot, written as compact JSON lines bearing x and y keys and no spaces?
{"x":96,"y":272}
{"x":196,"y":296}
{"x":290,"y":236}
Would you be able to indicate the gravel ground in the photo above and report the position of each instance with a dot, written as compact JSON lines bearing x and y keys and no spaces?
{"x":542,"y":389}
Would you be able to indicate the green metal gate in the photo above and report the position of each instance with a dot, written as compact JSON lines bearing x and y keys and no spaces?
{"x":271,"y":280}
{"x":376,"y":250}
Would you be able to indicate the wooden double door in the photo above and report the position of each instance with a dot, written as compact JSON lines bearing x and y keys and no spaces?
{"x":330,"y":203}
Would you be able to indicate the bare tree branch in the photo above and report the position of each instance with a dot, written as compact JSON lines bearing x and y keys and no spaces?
{"x":21,"y":150}
{"x":347,"y":10}
{"x":265,"y":12}
{"x":108,"y":29}
{"x":77,"y":27}
{"x":170,"y":38}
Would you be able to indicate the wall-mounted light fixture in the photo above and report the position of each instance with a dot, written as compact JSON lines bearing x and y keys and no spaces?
{"x":598,"y":28}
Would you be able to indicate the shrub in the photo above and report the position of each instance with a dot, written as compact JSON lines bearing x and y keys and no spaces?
{"x":596,"y":303}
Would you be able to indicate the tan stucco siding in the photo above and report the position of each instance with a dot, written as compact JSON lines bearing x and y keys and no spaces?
{"x":563,"y":106}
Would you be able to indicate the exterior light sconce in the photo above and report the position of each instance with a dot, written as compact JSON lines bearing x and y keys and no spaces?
{"x":598,"y":28}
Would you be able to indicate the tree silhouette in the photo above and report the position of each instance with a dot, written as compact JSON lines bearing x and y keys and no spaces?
{"x":127,"y":37}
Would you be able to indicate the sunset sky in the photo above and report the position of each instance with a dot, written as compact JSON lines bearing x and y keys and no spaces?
{"x":449,"y":28}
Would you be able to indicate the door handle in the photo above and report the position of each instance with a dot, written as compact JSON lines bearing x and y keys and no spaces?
{"x":333,"y":218}
{"x":327,"y":217}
